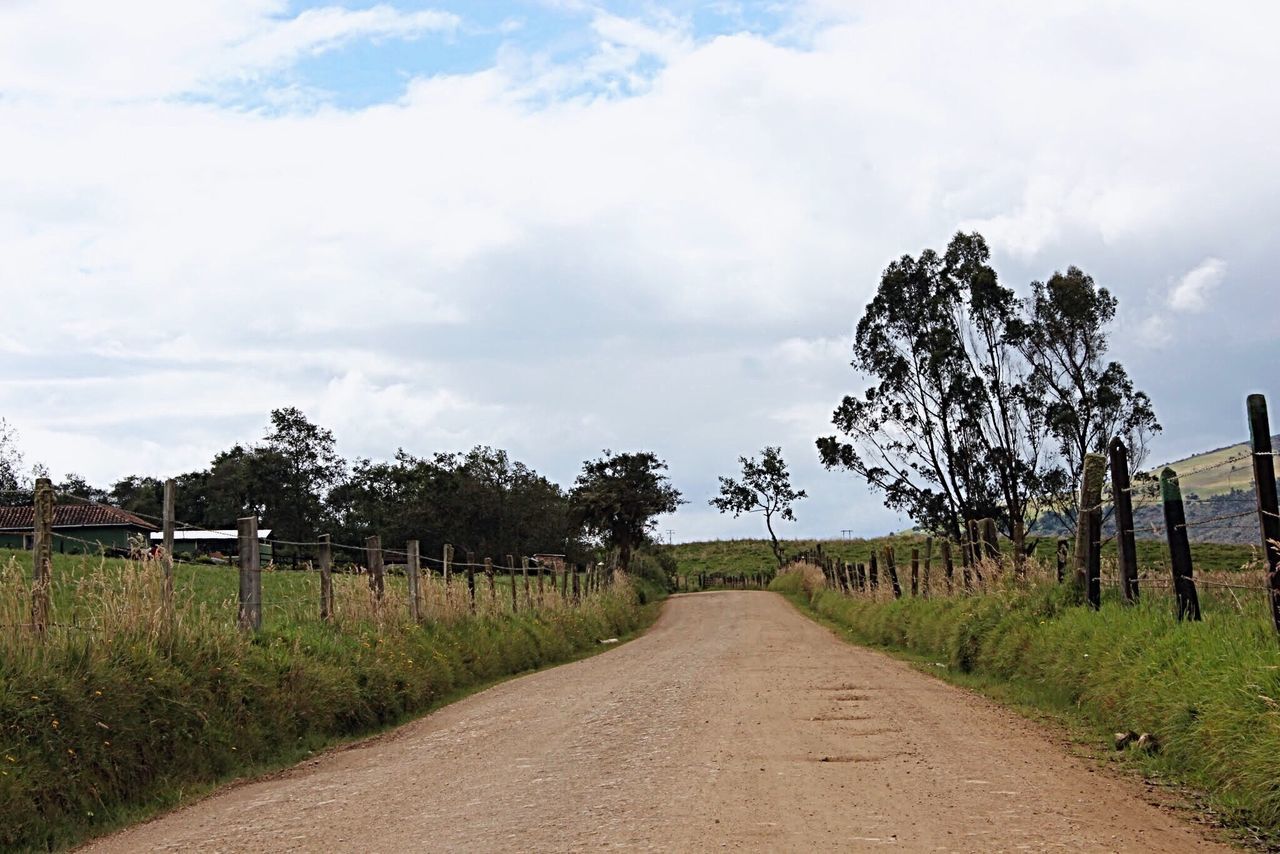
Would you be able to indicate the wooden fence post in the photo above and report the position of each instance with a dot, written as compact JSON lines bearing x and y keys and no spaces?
{"x":1064,"y":551}
{"x":541,"y":587}
{"x":511,"y":571}
{"x":413,"y":569}
{"x":564,"y":579}
{"x":444,"y":564}
{"x":1122,"y":497}
{"x":471,"y":579}
{"x":991,"y":539}
{"x":928,"y":566}
{"x":577,"y":592}
{"x":326,"y":578}
{"x":948,"y":565}
{"x":1175,"y":526}
{"x":167,"y":520}
{"x":41,"y":554}
{"x":493,"y":588}
{"x":915,"y":572}
{"x":373,"y":557}
{"x":1090,"y":511}
{"x":892,"y":569}
{"x":250,"y":574}
{"x":1264,"y":484}
{"x":528,"y":591}
{"x":874,"y":572}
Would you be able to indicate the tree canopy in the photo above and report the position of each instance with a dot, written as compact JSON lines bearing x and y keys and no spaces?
{"x":617,"y":496}
{"x":765,"y":488}
{"x":981,"y":404}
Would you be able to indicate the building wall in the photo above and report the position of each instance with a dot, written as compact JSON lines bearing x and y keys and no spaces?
{"x":109,"y":537}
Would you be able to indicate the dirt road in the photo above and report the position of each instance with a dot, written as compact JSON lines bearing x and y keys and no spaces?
{"x":735,"y":723}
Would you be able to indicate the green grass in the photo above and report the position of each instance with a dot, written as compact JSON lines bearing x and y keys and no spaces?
{"x":122,"y":711}
{"x":1210,"y":691}
{"x":732,"y":557}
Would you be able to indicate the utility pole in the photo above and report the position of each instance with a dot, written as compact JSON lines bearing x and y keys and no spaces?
{"x":671,"y":537}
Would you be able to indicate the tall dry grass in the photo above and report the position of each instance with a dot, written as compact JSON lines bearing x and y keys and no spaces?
{"x":125,"y":703}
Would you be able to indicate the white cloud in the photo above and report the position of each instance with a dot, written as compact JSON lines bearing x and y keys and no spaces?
{"x":143,"y":49}
{"x":1191,"y":292}
{"x":490,"y":259}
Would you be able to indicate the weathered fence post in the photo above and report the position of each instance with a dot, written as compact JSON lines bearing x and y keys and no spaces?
{"x":167,"y":521}
{"x":1087,"y":517}
{"x":373,"y":558}
{"x":1175,"y":525}
{"x":528,"y":591}
{"x":1064,"y":552}
{"x":991,"y":539}
{"x":250,"y":574}
{"x":41,"y":554}
{"x":413,"y":569}
{"x":915,"y":572}
{"x":541,"y":586}
{"x":1264,"y":484}
{"x":577,"y":591}
{"x":948,"y":565}
{"x":511,"y":571}
{"x":493,"y":587}
{"x":891,"y":567}
{"x":326,"y":578}
{"x":1122,"y":497}
{"x":874,"y":572}
{"x":471,"y":579}
{"x":446,"y":559}
{"x":928,"y":566}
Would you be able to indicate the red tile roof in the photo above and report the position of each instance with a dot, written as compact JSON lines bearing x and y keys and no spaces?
{"x":21,"y":517}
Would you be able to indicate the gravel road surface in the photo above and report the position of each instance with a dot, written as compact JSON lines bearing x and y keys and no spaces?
{"x":734,"y":724}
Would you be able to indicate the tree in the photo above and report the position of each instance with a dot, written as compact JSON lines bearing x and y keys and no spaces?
{"x":943,"y":432}
{"x":617,"y":496}
{"x":75,"y":485}
{"x":11,"y":460}
{"x":1085,"y":400}
{"x":297,"y":466}
{"x":765,"y":488}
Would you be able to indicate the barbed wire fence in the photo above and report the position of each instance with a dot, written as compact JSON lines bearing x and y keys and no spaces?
{"x":434,"y":587}
{"x":981,"y":562}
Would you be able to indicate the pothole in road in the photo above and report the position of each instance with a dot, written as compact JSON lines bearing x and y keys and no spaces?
{"x":851,"y":698}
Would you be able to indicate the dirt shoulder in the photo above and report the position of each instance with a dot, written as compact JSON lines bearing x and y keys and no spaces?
{"x":734,"y":723}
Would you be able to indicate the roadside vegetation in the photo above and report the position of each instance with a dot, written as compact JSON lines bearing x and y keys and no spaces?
{"x":122,"y":710}
{"x":734,"y":557}
{"x":1209,"y":692}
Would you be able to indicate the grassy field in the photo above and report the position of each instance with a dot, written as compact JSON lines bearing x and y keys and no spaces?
{"x":1210,"y":691}
{"x":123,"y":708}
{"x":732,"y":557}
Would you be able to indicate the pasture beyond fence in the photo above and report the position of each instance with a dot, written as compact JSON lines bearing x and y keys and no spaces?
{"x":981,"y":562}
{"x":434,"y":587}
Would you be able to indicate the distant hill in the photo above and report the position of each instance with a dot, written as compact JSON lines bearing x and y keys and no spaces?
{"x":1217,"y":489}
{"x":1216,"y":472}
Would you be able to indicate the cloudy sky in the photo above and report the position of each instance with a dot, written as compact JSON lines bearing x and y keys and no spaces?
{"x":558,"y":226}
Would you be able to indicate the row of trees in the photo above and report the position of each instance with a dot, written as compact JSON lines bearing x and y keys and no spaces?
{"x":295,"y":481}
{"x":982,"y":404}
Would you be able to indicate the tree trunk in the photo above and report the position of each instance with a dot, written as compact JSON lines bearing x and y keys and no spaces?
{"x":777,"y":549}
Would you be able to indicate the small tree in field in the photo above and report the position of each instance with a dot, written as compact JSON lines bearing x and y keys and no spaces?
{"x":765,"y":488}
{"x":617,"y":496}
